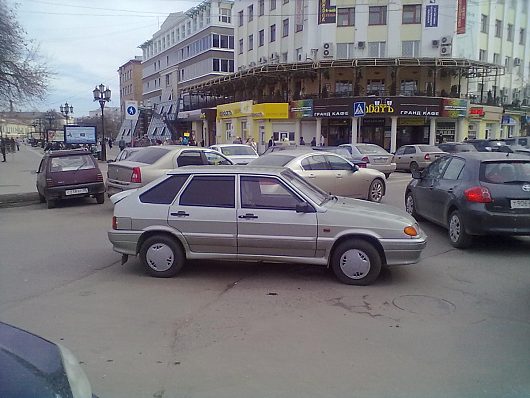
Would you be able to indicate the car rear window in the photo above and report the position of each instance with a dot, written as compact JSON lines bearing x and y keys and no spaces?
{"x":165,"y":192}
{"x":371,"y":150}
{"x":505,"y":172}
{"x":465,"y":148}
{"x":148,"y":155}
{"x":71,"y":163}
{"x":237,"y":150}
{"x":272,"y":160}
{"x":339,"y":151}
{"x":429,"y":148}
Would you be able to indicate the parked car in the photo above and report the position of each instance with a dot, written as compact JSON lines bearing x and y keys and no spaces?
{"x":237,"y":153}
{"x":154,"y":161}
{"x":486,"y":145}
{"x":333,"y":149}
{"x":374,"y":156}
{"x":522,"y":141}
{"x":68,"y":174}
{"x":31,"y":366}
{"x":416,"y":157}
{"x":259,"y":214}
{"x":473,"y":193}
{"x":125,"y":153}
{"x":330,"y":172}
{"x":456,"y":147}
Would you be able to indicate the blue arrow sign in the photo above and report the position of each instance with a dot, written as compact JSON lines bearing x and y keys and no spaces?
{"x":359,"y":109}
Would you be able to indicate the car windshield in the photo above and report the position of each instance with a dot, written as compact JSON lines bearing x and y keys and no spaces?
{"x":338,"y":150}
{"x":148,"y":155}
{"x":272,"y":160}
{"x":237,"y":150}
{"x":429,"y":148}
{"x":371,"y":149}
{"x":71,"y":163}
{"x":505,"y":172}
{"x":314,"y":193}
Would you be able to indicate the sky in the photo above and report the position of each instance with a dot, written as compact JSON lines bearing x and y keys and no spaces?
{"x":85,"y":42}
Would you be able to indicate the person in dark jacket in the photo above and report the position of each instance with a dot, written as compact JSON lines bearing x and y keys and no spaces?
{"x":3,"y":148}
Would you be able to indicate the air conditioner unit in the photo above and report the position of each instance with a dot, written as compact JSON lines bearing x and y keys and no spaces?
{"x":446,"y":40}
{"x":446,"y":51}
{"x":360,"y":44}
{"x":327,"y":50}
{"x":516,"y":61}
{"x":436,"y":43}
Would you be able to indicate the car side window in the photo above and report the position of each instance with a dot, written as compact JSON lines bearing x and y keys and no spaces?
{"x":338,"y":163}
{"x":315,"y":162}
{"x":216,"y":159}
{"x":165,"y":191}
{"x":454,"y":169}
{"x":266,"y":193}
{"x":400,"y":151}
{"x":41,"y":166}
{"x":190,"y":158}
{"x":435,"y":170}
{"x":209,"y":191}
{"x":409,"y":150}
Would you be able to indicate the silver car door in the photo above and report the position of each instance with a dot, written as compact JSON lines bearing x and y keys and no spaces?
{"x":316,"y":170}
{"x":268,"y":224}
{"x":348,"y":179}
{"x":205,"y":213}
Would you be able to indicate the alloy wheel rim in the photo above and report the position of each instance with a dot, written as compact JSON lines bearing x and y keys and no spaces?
{"x":355,"y":264}
{"x":454,"y":228}
{"x":409,"y":206}
{"x":377,"y":191}
{"x":159,"y":257}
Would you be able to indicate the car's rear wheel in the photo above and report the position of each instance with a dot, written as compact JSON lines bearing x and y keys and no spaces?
{"x":356,"y":262}
{"x":100,"y":198}
{"x":458,"y":236}
{"x":410,"y":206}
{"x":161,"y":256}
{"x":42,"y":198}
{"x":51,"y":203}
{"x":376,"y":191}
{"x":413,"y":166}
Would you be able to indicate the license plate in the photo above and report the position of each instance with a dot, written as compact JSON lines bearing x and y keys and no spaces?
{"x":69,"y":192}
{"x":380,"y":160}
{"x":520,"y":204}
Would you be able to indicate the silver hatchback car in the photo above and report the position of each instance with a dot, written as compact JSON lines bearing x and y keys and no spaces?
{"x":242,"y":213}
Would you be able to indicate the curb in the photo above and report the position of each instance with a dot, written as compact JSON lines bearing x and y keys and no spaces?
{"x":19,"y":199}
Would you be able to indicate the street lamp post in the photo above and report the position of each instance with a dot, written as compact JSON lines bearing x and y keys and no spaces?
{"x":102,"y":94}
{"x":50,"y":117}
{"x":66,"y":110}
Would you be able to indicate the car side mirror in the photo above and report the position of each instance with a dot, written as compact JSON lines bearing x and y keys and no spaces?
{"x":354,"y":168}
{"x":417,"y":175}
{"x":304,"y":207}
{"x":110,"y":161}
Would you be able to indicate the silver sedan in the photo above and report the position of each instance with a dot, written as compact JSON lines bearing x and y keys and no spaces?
{"x":242,"y":213}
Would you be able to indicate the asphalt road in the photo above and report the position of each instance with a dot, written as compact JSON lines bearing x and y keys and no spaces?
{"x":457,"y":324}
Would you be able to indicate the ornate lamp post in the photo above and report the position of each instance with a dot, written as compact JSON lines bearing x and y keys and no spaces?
{"x":66,"y":110}
{"x":102,"y":95}
{"x":50,"y":117}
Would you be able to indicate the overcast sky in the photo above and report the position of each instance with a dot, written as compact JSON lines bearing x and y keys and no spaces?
{"x":85,"y":42}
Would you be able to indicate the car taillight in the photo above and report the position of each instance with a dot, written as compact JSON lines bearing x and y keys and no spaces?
{"x":114,"y":223}
{"x":49,"y":182}
{"x":365,"y":159}
{"x":478,"y":195}
{"x":361,"y":165}
{"x":427,"y":156}
{"x":99,"y":177}
{"x":136,"y":175}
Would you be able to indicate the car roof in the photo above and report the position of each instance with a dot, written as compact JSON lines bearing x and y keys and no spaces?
{"x":225,"y":145}
{"x":231,"y":169}
{"x":491,"y":156}
{"x":299,"y":152}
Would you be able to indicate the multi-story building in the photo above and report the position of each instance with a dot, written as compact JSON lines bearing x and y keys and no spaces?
{"x":402,"y":53}
{"x":130,"y":82}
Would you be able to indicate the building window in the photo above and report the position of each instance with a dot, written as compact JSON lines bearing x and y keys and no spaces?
{"x":522,"y":36}
{"x":240,"y":17}
{"x":240,"y":46}
{"x":484,"y":23}
{"x":250,"y":12}
{"x":168,"y":80}
{"x":411,"y":14}
{"x":345,"y":50}
{"x":346,"y":16}
{"x":376,"y":49}
{"x":298,"y":53}
{"x":250,"y":42}
{"x":498,"y":28}
{"x":261,"y":7}
{"x":273,"y":33}
{"x":377,"y":15}
{"x":261,"y":38}
{"x":223,"y":65}
{"x":273,"y":4}
{"x":225,"y":15}
{"x":497,"y":58}
{"x":285,"y":57}
{"x":410,"y":48}
{"x":509,"y":32}
{"x":285,"y":28}
{"x":482,"y":55}
{"x":508,"y":64}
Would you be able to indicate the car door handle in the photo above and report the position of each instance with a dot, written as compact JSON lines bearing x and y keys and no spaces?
{"x":339,"y":175}
{"x":248,"y":216}
{"x":180,"y":214}
{"x":311,"y":176}
{"x":450,"y":190}
{"x":431,"y":187}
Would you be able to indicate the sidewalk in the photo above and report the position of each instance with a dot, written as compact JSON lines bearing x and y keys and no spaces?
{"x":18,"y":178}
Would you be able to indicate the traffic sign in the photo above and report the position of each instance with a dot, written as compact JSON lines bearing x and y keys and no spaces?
{"x":131,"y":110}
{"x":359,"y":109}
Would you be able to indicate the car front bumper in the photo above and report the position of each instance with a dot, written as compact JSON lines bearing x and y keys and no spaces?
{"x":404,"y":251}
{"x":383,"y":168}
{"x":59,"y":192}
{"x":125,"y":242}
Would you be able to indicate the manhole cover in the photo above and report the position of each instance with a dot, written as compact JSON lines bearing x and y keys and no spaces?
{"x":425,"y":305}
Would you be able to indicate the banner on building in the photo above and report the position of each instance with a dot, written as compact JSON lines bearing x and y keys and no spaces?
{"x":326,"y":12}
{"x":461,"y":14}
{"x":431,"y":16}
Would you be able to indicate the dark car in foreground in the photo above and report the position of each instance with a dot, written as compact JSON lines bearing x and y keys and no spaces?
{"x":31,"y":366}
{"x":68,"y":174}
{"x":455,"y":147}
{"x":489,"y":145}
{"x":473,"y":193}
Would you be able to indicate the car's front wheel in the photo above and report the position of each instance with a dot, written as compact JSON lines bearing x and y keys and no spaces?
{"x":413,"y":166}
{"x":410,"y":206}
{"x":51,"y":203}
{"x":458,"y":236}
{"x":100,"y":198}
{"x":376,"y":190}
{"x":356,"y":262}
{"x":161,"y":256}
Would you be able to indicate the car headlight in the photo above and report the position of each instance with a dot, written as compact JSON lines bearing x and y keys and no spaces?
{"x":79,"y":383}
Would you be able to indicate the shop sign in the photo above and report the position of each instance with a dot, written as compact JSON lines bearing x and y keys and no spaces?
{"x":461,"y":14}
{"x":431,"y":16}
{"x":507,"y":120}
{"x":380,"y":107}
{"x":270,"y":111}
{"x":235,"y":109}
{"x":418,"y":107}
{"x":326,"y":12}
{"x":301,"y":108}
{"x":454,"y":107}
{"x":476,"y":112}
{"x":332,"y":108}
{"x":411,"y":121}
{"x":374,"y":121}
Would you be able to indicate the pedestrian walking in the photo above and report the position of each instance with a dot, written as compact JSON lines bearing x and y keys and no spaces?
{"x":314,"y":142}
{"x":121,"y":144}
{"x":110,"y":144}
{"x":302,"y":142}
{"x":3,"y":148}
{"x":271,"y":142}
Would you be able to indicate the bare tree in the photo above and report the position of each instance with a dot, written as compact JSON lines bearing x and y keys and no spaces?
{"x":22,"y":76}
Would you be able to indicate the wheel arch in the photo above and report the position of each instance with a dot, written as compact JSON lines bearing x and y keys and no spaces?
{"x":358,"y":235}
{"x":164,"y":232}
